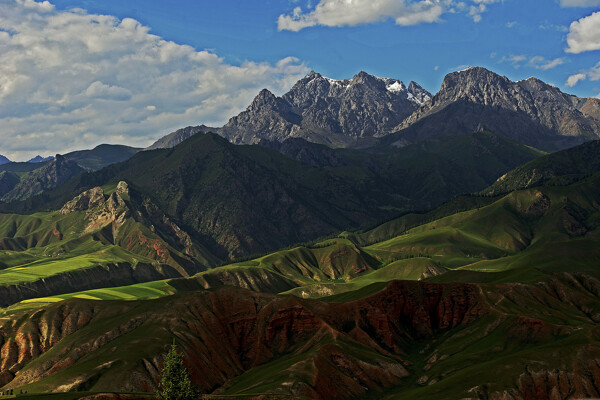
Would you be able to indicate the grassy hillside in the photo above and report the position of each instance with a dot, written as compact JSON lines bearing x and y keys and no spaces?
{"x":559,"y":168}
{"x":538,"y":230}
{"x":99,"y":239}
{"x":242,"y":200}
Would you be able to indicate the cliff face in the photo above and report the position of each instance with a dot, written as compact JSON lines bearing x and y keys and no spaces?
{"x":327,"y":111}
{"x":529,"y":111}
{"x":404,"y":336}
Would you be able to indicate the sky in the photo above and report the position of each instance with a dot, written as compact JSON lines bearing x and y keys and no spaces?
{"x":78,"y":73}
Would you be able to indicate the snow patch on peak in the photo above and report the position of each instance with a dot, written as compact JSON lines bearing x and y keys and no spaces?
{"x":396,"y":87}
{"x":466,"y":69}
{"x":335,"y":82}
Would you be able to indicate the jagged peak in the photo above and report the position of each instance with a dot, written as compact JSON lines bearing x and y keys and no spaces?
{"x":312,"y":75}
{"x":474,"y":71}
{"x":363,"y":77}
{"x":414,"y":86}
{"x":473,"y":74}
{"x":263,"y":97}
{"x":265,"y":93}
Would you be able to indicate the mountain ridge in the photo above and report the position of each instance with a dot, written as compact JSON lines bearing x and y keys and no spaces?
{"x":529,"y":111}
{"x":367,"y":111}
{"x":274,"y":200}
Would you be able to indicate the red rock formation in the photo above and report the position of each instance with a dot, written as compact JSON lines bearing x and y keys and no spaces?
{"x":336,"y":350}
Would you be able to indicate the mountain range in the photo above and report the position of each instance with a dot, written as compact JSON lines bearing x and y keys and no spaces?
{"x":242,"y":200}
{"x":20,"y":181}
{"x":351,"y":239}
{"x":367,"y":111}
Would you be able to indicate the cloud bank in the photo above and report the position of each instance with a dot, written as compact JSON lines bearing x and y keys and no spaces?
{"x":70,"y":80}
{"x":537,"y":62}
{"x":338,"y":13}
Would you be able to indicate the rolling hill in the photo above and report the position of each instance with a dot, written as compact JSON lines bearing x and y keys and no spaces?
{"x":272,"y":201}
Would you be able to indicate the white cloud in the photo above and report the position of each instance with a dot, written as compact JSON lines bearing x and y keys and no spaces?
{"x":579,"y":3}
{"x":593,"y":74}
{"x":476,"y":11}
{"x":70,"y":80}
{"x":548,"y":26}
{"x":537,"y":62}
{"x":356,"y":12}
{"x":584,"y":34}
{"x":337,"y":13}
{"x":573,"y":79}
{"x":99,"y":90}
{"x":511,"y":24}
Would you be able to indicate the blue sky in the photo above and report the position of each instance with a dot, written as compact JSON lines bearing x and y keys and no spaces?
{"x":248,"y":30}
{"x":77,"y":73}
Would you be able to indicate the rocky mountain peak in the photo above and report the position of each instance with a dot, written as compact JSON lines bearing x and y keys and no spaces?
{"x":536,"y":84}
{"x":473,"y":78}
{"x":325,"y":110}
{"x":363,"y":77}
{"x":174,"y":138}
{"x":419,"y":94}
{"x":264,"y":97}
{"x":529,"y":111}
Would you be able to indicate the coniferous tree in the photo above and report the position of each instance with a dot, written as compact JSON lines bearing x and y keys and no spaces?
{"x":175,"y":381}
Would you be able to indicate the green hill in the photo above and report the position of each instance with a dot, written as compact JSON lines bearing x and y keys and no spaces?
{"x":101,"y":156}
{"x":242,"y":200}
{"x":559,"y":168}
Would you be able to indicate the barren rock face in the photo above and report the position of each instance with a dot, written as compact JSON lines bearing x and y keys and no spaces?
{"x":325,"y":110}
{"x":529,"y":111}
{"x":85,"y":201}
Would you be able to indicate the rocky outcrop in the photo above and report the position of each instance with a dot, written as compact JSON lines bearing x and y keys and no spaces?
{"x":328,"y":111}
{"x":101,"y":210}
{"x":591,"y":107}
{"x":529,"y":111}
{"x":580,"y":381}
{"x":108,"y":213}
{"x":228,"y":331}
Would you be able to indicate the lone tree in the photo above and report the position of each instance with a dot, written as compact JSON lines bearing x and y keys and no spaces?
{"x":175,"y":381}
